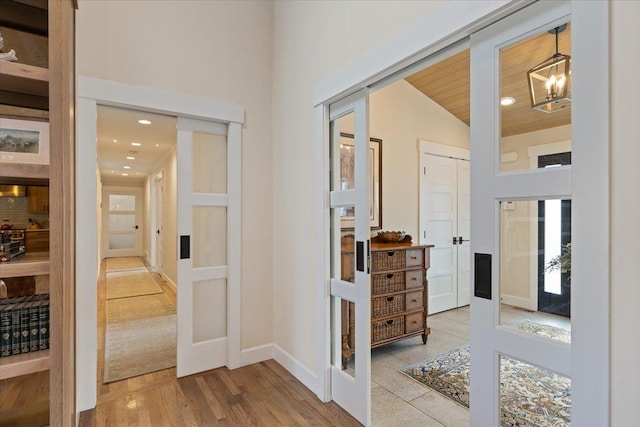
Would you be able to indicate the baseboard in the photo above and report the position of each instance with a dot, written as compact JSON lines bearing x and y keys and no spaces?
{"x":516,"y":301}
{"x":257,"y":354}
{"x":297,"y":369}
{"x":169,"y":281}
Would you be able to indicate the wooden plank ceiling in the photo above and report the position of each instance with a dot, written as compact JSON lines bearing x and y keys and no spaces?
{"x":447,"y":83}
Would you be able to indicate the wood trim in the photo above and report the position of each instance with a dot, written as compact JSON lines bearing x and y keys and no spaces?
{"x":24,"y":17}
{"x":24,"y":78}
{"x":23,"y":364}
{"x":62,"y":213}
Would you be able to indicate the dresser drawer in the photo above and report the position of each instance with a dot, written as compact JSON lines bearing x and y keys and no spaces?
{"x":414,"y":257}
{"x":414,"y":300}
{"x":414,"y":279}
{"x":388,"y":260}
{"x":385,"y":329}
{"x":387,"y":306}
{"x":414,"y":322}
{"x":387,"y":283}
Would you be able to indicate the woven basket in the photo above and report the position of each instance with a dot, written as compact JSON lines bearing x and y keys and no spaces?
{"x":388,"y":260}
{"x":385,"y":329}
{"x":385,"y":283}
{"x":386,"y":306}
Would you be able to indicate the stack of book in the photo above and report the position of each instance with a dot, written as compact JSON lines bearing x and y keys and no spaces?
{"x":24,"y":324}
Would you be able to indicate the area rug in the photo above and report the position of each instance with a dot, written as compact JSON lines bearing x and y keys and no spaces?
{"x":530,"y":397}
{"x":124,"y":264}
{"x":140,"y":336}
{"x":122,"y":284}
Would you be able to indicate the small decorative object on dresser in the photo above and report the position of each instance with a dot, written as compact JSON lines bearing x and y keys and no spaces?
{"x":398,"y":293}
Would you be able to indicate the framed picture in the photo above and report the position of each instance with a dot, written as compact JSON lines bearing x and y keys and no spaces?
{"x":24,"y":141}
{"x":347,"y":216}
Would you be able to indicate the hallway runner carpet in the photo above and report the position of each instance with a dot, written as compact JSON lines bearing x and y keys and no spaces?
{"x":122,"y":284}
{"x":124,"y":264}
{"x":529,"y":396}
{"x":140,"y":336}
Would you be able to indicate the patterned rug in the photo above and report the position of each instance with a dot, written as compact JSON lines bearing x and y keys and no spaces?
{"x":124,"y":264}
{"x":130,"y":283}
{"x":529,"y":396}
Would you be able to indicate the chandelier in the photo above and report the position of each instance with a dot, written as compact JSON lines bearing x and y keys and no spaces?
{"x":550,"y":81}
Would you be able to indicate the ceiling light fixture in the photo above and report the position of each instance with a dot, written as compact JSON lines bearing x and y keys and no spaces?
{"x":125,"y":174}
{"x":130,"y":158}
{"x":115,"y":140}
{"x":507,"y":100}
{"x":136,"y":144}
{"x":127,"y":167}
{"x":157,"y":145}
{"x":144,"y":122}
{"x":549,"y":81}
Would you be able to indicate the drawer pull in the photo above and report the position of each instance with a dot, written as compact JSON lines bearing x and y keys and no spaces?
{"x":389,"y":299}
{"x":390,"y":321}
{"x":391,"y":253}
{"x":413,"y":257}
{"x":413,"y":279}
{"x":414,"y":300}
{"x":389,"y":276}
{"x":414,"y":323}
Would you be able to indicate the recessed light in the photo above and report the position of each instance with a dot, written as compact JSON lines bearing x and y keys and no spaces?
{"x":127,"y":167}
{"x":157,"y":145}
{"x":115,"y":140}
{"x":136,"y":144}
{"x":507,"y":100}
{"x":144,"y":122}
{"x":113,"y":171}
{"x":130,"y":158}
{"x":125,"y":174}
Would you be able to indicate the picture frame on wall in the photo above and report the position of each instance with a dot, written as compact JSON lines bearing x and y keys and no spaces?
{"x":347,"y":218}
{"x":24,"y":141}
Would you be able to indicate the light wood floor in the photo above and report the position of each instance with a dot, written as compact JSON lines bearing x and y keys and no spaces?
{"x":262,"y":394}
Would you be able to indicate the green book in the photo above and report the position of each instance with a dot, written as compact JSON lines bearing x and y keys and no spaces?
{"x":43,"y":336}
{"x":25,"y":320}
{"x":34,"y":325}
{"x":15,"y":328}
{"x":5,"y":330}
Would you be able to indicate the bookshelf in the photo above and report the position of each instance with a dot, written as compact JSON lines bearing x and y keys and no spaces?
{"x":30,"y":92}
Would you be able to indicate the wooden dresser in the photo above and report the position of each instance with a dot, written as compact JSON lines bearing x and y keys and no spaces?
{"x":398,"y":294}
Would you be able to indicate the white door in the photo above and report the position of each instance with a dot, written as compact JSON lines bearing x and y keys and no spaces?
{"x":445,"y":223}
{"x":122,"y":222}
{"x":158,"y":231}
{"x":350,"y":279}
{"x":208,"y":162}
{"x":499,"y":342}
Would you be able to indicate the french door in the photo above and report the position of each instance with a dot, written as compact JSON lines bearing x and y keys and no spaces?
{"x":350,"y":294}
{"x":208,"y":170}
{"x":122,"y":222}
{"x":445,"y":217}
{"x":503,"y":195}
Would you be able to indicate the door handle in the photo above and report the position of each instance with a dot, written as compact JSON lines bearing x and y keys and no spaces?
{"x":455,"y":241}
{"x":136,"y":227}
{"x":158,"y":231}
{"x":460,"y":240}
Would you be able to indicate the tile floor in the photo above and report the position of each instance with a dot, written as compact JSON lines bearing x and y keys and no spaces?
{"x":398,"y":400}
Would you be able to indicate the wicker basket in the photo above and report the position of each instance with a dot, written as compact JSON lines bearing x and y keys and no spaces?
{"x":386,"y":306}
{"x":388,"y":260}
{"x":385,"y":329}
{"x":385,"y":283}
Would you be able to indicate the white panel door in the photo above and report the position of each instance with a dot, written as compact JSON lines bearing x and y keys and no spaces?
{"x":350,"y":291}
{"x":122,"y":222}
{"x":464,"y":232}
{"x":208,"y":157}
{"x":494,"y":341}
{"x":440,"y":209}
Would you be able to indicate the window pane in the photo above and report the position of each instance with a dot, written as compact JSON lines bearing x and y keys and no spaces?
{"x":121,"y":222}
{"x":209,"y":310}
{"x":535,"y":267}
{"x":522,"y":127}
{"x":122,"y":241}
{"x":530,"y":396}
{"x":209,"y":236}
{"x":122,"y":202}
{"x":209,"y":163}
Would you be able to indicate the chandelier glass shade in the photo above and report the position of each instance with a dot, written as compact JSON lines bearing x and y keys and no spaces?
{"x":550,"y":81}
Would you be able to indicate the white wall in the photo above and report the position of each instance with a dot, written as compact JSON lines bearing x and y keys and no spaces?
{"x":625,"y":205}
{"x":400,"y":115}
{"x":220,"y":50}
{"x":146,"y":219}
{"x":312,"y":40}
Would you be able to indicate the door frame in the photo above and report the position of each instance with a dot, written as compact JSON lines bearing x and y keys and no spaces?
{"x":91,"y":92}
{"x":590,"y":307}
{"x":157,"y":195}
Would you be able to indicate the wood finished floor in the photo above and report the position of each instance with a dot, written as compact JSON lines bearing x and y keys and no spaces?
{"x":263,"y":394}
